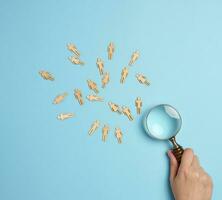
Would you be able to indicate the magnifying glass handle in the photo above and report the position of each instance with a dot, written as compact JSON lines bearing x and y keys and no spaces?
{"x":177,"y":149}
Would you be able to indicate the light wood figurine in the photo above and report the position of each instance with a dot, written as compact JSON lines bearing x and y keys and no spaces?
{"x":92,"y":86}
{"x":115,"y":108}
{"x":119,"y":135}
{"x":64,"y":116}
{"x":138,"y":104}
{"x":124,"y":74}
{"x":126,"y":111}
{"x":142,"y":79}
{"x":60,"y":98}
{"x":100,"y":65}
{"x":105,"y":132}
{"x":105,"y":79}
{"x":71,"y":47}
{"x":134,"y":57}
{"x":110,"y":50}
{"x":94,"y":127}
{"x":78,"y":96}
{"x":46,"y":75}
{"x":75,"y":60}
{"x":94,"y":98}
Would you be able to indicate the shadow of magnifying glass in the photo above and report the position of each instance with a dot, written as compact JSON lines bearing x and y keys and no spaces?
{"x":163,"y":122}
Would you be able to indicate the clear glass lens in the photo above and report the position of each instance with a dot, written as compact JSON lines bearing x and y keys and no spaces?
{"x":162,"y":122}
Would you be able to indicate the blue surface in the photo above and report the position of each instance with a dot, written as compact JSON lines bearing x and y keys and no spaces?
{"x":43,"y":158}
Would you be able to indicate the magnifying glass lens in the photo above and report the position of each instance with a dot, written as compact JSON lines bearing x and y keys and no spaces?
{"x":163,"y":122}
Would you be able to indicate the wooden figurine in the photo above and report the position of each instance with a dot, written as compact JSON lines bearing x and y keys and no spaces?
{"x":110,"y":50}
{"x":124,"y":74}
{"x":138,"y":104}
{"x":100,"y":65}
{"x":71,"y":47}
{"x":134,"y":57}
{"x":94,"y":127}
{"x":46,"y":75}
{"x":126,"y":111}
{"x":94,"y":98}
{"x":119,"y":135}
{"x":105,"y":132}
{"x":75,"y":60}
{"x":92,"y":85}
{"x":64,"y":116}
{"x":114,"y":107}
{"x":105,"y":79}
{"x":78,"y":96}
{"x":60,"y":98}
{"x":142,"y":79}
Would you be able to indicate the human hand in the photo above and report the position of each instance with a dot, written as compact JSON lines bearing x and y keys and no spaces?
{"x":189,"y":181}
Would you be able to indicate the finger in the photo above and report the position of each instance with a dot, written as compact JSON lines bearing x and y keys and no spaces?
{"x":187,"y":159}
{"x":195,"y":162}
{"x":173,"y":165}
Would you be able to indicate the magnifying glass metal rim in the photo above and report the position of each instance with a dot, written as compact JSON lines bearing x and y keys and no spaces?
{"x":147,"y":115}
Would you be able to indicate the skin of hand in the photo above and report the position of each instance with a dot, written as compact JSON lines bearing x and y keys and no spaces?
{"x":189,"y":181}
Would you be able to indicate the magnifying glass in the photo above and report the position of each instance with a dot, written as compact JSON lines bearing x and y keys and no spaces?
{"x":163,"y":122}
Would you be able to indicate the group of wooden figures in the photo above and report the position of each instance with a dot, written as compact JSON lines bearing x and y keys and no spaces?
{"x":105,"y":78}
{"x":105,"y":130}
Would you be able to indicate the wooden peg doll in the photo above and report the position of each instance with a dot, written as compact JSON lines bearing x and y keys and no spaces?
{"x":94,"y":127}
{"x":92,"y":86}
{"x":115,"y":108}
{"x":71,"y":47}
{"x":58,"y":99}
{"x":119,"y":135}
{"x":134,"y":57}
{"x":78,"y":96}
{"x":142,"y":79}
{"x":94,"y":98}
{"x":100,"y":65}
{"x":64,"y":116}
{"x":126,"y":111}
{"x":105,"y":79}
{"x":105,"y":132}
{"x":110,"y":50}
{"x":124,"y":74}
{"x":75,"y":60}
{"x":138,"y":104}
{"x":46,"y":75}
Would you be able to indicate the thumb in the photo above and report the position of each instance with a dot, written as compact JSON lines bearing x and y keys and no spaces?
{"x":173,"y":165}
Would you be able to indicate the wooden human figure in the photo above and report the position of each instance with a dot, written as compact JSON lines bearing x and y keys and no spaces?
{"x":78,"y":96}
{"x":100,"y":65}
{"x":92,"y":86}
{"x":94,"y":98}
{"x":110,"y":50}
{"x":138,"y":104}
{"x":94,"y":127}
{"x":114,"y":107}
{"x":105,"y":79}
{"x":46,"y":75}
{"x":105,"y":132}
{"x":124,"y":74}
{"x":64,"y":116}
{"x":134,"y":57}
{"x":119,"y":135}
{"x":71,"y":47}
{"x":75,"y":60}
{"x":58,"y":99}
{"x":126,"y":111}
{"x":142,"y":79}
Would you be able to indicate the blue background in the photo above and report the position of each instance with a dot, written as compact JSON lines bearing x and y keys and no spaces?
{"x":43,"y":158}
